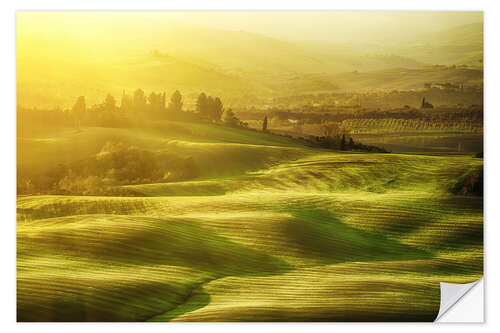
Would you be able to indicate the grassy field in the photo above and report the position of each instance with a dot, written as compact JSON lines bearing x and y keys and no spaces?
{"x":270,"y":231}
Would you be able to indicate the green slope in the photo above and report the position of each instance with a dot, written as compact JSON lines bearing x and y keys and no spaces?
{"x":233,"y":150}
{"x":329,"y":236}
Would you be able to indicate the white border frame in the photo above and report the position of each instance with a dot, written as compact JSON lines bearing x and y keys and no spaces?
{"x":8,"y":167}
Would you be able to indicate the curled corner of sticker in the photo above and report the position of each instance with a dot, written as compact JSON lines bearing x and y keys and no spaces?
{"x":451,"y":293}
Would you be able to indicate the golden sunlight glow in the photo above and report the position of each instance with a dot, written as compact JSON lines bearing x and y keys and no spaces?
{"x":61,"y":55}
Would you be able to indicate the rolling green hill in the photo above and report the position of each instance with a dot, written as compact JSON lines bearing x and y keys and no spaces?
{"x":272,"y":230}
{"x":233,"y":150}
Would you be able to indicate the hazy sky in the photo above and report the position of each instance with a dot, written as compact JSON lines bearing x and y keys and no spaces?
{"x":331,"y":25}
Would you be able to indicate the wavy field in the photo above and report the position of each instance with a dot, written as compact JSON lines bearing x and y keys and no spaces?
{"x":270,"y":231}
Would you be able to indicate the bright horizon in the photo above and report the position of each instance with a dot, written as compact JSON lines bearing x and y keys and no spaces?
{"x":350,"y":26}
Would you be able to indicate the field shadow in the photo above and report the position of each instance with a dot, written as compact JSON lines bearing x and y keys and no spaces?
{"x":196,"y":300}
{"x":185,"y":189}
{"x":319,"y":234}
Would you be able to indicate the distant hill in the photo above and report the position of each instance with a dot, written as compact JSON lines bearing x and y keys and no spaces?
{"x":405,"y":79}
{"x":56,"y":66}
{"x":461,"y":45}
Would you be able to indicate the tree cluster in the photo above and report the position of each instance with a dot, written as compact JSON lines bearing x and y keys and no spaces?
{"x":209,"y":108}
{"x":116,"y":163}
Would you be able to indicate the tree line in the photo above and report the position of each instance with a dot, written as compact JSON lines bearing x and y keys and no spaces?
{"x":327,"y":102}
{"x":132,"y":108}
